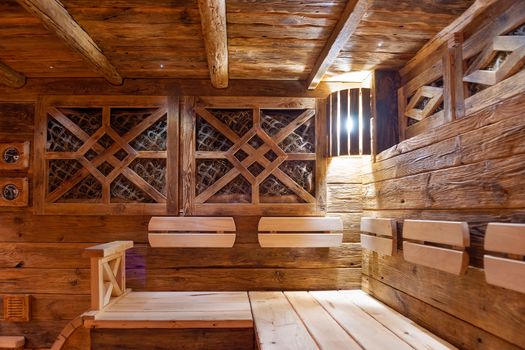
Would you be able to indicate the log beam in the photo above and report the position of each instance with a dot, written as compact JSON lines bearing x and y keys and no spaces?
{"x":344,"y":29}
{"x":56,"y":18}
{"x":11,"y":77}
{"x":213,"y":20}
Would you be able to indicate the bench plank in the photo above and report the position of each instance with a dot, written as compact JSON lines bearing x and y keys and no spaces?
{"x":453,"y":233}
{"x":300,"y":224}
{"x":415,"y":335}
{"x":300,"y":240}
{"x":506,"y":273}
{"x":323,"y":328}
{"x":277,"y":325}
{"x":191,"y":224}
{"x":379,"y":226}
{"x":381,"y":245}
{"x":371,"y":334}
{"x":448,"y":260}
{"x":505,"y":238}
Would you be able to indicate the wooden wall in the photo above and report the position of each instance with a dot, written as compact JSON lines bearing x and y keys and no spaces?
{"x":41,"y":255}
{"x":472,"y":169}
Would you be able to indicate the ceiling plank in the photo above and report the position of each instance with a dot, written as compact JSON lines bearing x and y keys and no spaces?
{"x":56,"y":18}
{"x":475,"y":10}
{"x":345,"y":27}
{"x":213,"y":20}
{"x":11,"y":77}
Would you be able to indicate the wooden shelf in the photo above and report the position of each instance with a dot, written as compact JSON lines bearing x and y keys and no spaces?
{"x":300,"y":232}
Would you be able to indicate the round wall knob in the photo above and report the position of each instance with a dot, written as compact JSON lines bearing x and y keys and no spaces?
{"x":10,"y":192}
{"x":11,"y":155}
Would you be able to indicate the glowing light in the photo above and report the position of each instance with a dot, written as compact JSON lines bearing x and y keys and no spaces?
{"x":161,"y":66}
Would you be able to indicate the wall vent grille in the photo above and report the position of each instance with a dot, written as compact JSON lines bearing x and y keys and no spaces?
{"x":16,"y":308}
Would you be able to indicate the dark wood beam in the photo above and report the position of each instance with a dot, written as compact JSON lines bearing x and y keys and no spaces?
{"x":56,"y":18}
{"x":11,"y":77}
{"x":155,"y":87}
{"x":345,"y":27}
{"x":213,"y":20}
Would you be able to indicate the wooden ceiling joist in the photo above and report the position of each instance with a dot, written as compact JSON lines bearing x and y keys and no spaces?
{"x":11,"y":77}
{"x":213,"y":20}
{"x":345,"y":27}
{"x":56,"y":18}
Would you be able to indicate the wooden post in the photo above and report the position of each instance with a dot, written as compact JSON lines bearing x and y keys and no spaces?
{"x":453,"y":89}
{"x":384,"y":109}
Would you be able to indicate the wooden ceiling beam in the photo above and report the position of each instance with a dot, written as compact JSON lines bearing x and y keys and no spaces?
{"x":213,"y":21}
{"x":56,"y":18}
{"x":344,"y":29}
{"x":11,"y":77}
{"x":458,"y":25}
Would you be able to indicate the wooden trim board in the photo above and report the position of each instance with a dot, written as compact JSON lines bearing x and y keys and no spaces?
{"x":299,"y":224}
{"x":453,"y":233}
{"x":505,"y":238}
{"x":381,"y":245}
{"x":300,"y":240}
{"x":192,"y":240}
{"x":448,"y":260}
{"x":506,"y":273}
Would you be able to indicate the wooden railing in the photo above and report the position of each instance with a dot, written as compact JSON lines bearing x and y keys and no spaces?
{"x":108,"y":272}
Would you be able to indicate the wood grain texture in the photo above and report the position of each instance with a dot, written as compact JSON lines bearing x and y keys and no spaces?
{"x":448,"y":260}
{"x":213,"y":22}
{"x":345,"y":27}
{"x":467,"y":298}
{"x":277,"y":324}
{"x":10,"y":77}
{"x":133,"y":339}
{"x":443,"y":324}
{"x":505,"y":238}
{"x":56,"y":18}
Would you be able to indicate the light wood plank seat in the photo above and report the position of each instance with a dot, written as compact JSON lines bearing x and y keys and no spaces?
{"x":300,"y":232}
{"x":192,"y":232}
{"x":508,"y":269}
{"x":379,"y":235}
{"x":176,"y":310}
{"x":334,"y":320}
{"x":453,"y":236}
{"x":12,"y":342}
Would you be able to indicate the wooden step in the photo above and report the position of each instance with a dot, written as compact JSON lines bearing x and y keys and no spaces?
{"x":12,"y":342}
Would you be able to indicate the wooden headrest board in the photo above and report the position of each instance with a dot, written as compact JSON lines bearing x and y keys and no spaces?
{"x":300,"y":232}
{"x":192,"y":232}
{"x":384,"y":238}
{"x":508,"y":270}
{"x":453,"y":234}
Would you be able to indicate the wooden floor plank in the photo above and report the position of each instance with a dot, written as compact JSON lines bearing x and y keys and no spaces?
{"x":322,"y":327}
{"x":369,"y":333}
{"x":415,"y":335}
{"x":277,"y":325}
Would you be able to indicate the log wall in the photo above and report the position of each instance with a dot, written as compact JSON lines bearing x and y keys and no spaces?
{"x":41,"y":254}
{"x":472,"y":169}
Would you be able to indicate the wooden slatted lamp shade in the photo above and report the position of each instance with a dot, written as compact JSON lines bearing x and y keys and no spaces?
{"x":508,"y":269}
{"x":379,"y":235}
{"x":349,"y":121}
{"x":192,"y":232}
{"x":300,"y":232}
{"x":451,"y":236}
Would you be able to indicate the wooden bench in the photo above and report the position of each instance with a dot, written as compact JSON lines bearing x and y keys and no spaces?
{"x":508,"y":269}
{"x":334,"y":320}
{"x":12,"y":342}
{"x":379,"y":235}
{"x":451,"y":236}
{"x":192,"y":232}
{"x":300,"y":232}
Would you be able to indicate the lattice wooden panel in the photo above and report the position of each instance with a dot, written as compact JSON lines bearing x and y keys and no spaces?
{"x":108,"y":156}
{"x":254,"y":158}
{"x":501,"y":58}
